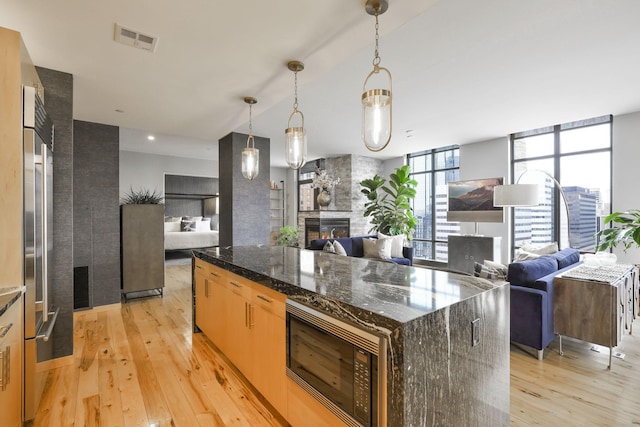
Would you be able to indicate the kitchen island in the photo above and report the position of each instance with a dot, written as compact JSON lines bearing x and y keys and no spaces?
{"x":446,"y":334}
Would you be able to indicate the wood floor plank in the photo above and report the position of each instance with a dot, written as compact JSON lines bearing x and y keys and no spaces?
{"x":110,"y":406}
{"x":132,"y":403}
{"x":157,"y":408}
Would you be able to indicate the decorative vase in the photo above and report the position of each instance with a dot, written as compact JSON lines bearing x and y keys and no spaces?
{"x":324,"y":198}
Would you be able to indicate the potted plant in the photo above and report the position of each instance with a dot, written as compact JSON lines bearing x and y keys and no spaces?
{"x":625,"y":230}
{"x":389,"y":206}
{"x":288,"y":236}
{"x":141,"y":197}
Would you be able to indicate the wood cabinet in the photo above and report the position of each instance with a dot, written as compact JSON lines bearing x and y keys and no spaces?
{"x":246,"y":321}
{"x":11,"y":365}
{"x":598,"y":312}
{"x":142,"y":247}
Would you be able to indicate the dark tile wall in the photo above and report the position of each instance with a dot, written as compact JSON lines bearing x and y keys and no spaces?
{"x":96,"y":211}
{"x":244,"y":204}
{"x":59,"y":104}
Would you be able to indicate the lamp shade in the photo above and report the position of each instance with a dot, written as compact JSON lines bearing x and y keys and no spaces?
{"x":515,"y":195}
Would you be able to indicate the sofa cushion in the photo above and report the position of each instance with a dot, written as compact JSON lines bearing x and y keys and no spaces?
{"x":377,"y":248}
{"x":397,"y":242}
{"x":525,"y":273}
{"x":566,"y":257}
{"x":339,"y":249}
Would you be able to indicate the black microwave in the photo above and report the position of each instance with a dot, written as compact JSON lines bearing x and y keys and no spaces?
{"x":339,"y":364}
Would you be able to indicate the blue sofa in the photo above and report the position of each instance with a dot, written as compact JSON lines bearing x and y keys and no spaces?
{"x":532,"y":297}
{"x":353,"y":247}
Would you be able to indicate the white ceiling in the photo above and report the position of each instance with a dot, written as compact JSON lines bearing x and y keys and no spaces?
{"x":463,"y":70}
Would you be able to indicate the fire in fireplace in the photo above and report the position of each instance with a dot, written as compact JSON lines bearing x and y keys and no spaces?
{"x":325,"y":228}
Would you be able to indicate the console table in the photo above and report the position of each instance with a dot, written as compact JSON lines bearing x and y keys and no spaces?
{"x":596,"y":303}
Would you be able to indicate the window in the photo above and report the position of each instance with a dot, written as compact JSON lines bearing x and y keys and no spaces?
{"x":307,"y":195}
{"x":578,"y":156}
{"x":433,"y":169}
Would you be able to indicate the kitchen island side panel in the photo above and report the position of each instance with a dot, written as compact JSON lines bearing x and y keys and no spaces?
{"x":462,"y":384}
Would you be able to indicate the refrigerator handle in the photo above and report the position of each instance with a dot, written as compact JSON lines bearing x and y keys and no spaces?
{"x":45,"y":238}
{"x":47,"y":334}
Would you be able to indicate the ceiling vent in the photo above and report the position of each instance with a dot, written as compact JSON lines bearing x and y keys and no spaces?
{"x":135,"y":39}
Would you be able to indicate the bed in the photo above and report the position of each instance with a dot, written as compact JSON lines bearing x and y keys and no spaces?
{"x":188,"y":233}
{"x":176,"y":240}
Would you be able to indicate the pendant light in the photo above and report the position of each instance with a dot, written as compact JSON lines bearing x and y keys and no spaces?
{"x":295,"y":137}
{"x":250,"y":154}
{"x":376,"y":103}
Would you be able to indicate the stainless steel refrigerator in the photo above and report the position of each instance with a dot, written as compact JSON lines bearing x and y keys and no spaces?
{"x":40,"y":316}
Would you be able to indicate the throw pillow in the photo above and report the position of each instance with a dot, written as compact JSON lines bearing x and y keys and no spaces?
{"x":328,"y":247}
{"x":192,"y":218}
{"x":338,"y":248}
{"x":203,"y":225}
{"x":500,"y":268}
{"x":481,"y":270}
{"x":397,"y":242}
{"x":188,"y":225}
{"x":549,"y":249}
{"x":170,"y":227}
{"x":521,"y":255}
{"x":377,"y":248}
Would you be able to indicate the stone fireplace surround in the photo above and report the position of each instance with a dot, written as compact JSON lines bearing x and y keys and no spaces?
{"x":347,"y":201}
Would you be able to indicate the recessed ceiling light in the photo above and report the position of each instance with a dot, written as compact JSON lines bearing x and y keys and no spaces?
{"x":151,"y":138}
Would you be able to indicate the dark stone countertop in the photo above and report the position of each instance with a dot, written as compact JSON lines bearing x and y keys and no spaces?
{"x":388,"y":292}
{"x":8,"y":296}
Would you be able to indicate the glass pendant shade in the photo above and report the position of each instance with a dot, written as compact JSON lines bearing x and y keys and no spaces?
{"x":376,"y":115}
{"x":250,"y":161}
{"x":296,"y":147}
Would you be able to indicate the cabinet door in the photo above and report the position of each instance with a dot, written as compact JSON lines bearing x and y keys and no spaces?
{"x":267,"y":322}
{"x":238,"y":346}
{"x":203,"y":303}
{"x":11,"y":348}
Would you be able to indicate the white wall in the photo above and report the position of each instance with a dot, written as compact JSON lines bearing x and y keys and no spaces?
{"x":626,"y":172}
{"x":390,"y":166}
{"x":146,"y":171}
{"x":487,"y":159}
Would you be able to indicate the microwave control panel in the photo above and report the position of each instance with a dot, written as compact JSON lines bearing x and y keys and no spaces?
{"x":361,"y":385}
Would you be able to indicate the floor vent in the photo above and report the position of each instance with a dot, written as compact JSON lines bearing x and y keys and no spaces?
{"x":135,"y":38}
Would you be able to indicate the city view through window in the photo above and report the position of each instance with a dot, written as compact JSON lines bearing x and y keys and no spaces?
{"x":578,"y":156}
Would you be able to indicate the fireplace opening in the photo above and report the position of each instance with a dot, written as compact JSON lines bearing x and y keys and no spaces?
{"x":325,"y":228}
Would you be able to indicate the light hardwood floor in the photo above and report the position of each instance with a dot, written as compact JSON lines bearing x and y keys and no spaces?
{"x":142,"y":366}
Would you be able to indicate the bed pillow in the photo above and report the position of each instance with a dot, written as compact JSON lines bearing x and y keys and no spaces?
{"x":203,"y":225}
{"x":171,"y":226}
{"x":172,"y":219}
{"x":192,"y":218}
{"x":377,"y":248}
{"x":188,"y":225}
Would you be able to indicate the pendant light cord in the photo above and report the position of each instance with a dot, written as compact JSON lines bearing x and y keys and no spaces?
{"x":295,"y":91}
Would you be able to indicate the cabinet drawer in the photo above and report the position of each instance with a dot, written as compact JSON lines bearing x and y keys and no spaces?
{"x":238,"y":285}
{"x":201,"y":266}
{"x":270,"y":300}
